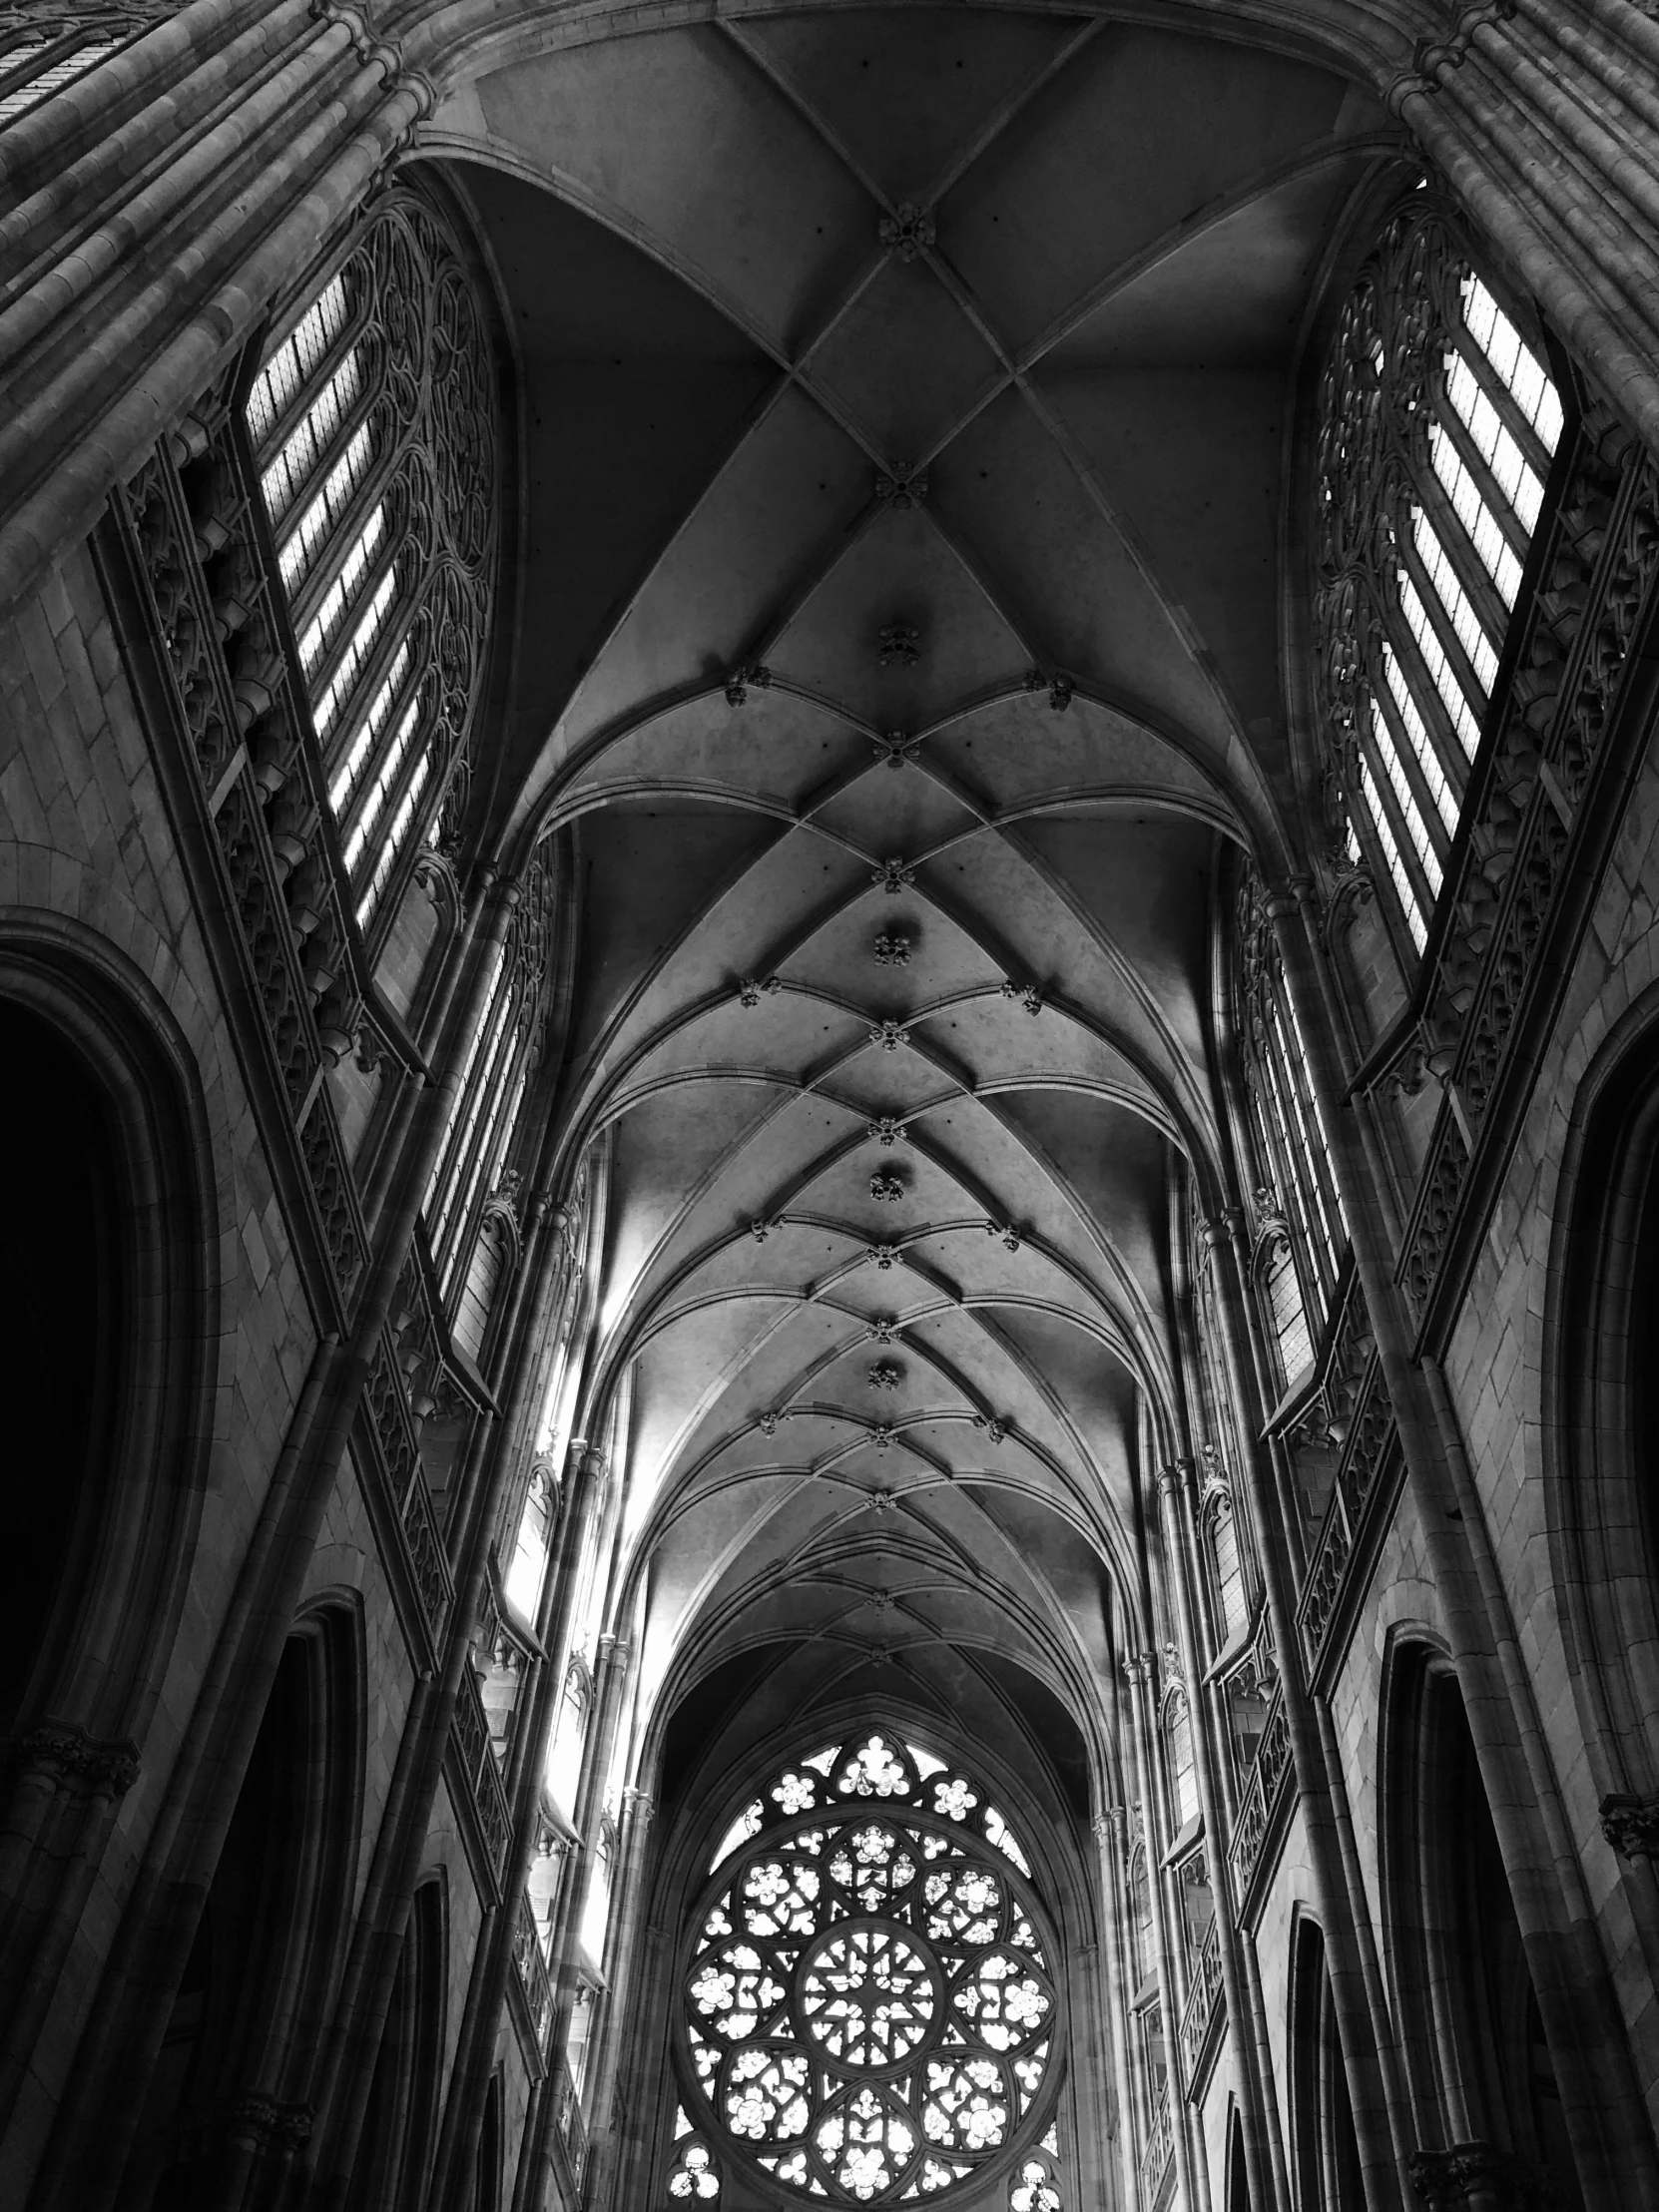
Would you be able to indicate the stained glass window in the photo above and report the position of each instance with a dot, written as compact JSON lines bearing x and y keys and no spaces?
{"x":372,"y":423}
{"x":1437,"y":425}
{"x":870,"y":2007}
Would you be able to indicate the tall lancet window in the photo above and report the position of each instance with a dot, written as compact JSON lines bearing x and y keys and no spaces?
{"x":1437,"y":425}
{"x":472,"y":1179}
{"x":869,"y":2007}
{"x":1301,"y":1236}
{"x":372,"y":421}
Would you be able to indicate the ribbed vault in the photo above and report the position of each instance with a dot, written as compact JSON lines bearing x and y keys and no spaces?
{"x":906,"y":407}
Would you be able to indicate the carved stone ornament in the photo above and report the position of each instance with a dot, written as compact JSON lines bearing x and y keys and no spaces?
{"x":880,"y":1502}
{"x":886,"y":1190}
{"x":996,"y":1425}
{"x":769,"y":1423}
{"x":899,"y":644}
{"x":1447,"y":2178}
{"x":272,"y":2125}
{"x":1271,"y":1219}
{"x":883,"y":1328}
{"x":893,"y":877}
{"x":886,"y":1375}
{"x":1058,"y":686}
{"x":1006,"y":1230}
{"x":1212,"y":1474}
{"x":889,"y":1035}
{"x":760,"y":1229}
{"x":896,"y":749}
{"x":751,"y":993}
{"x":69,"y":1759}
{"x":885,"y":1255}
{"x":1027,"y":994}
{"x":887,"y":1130}
{"x":908,"y":233}
{"x":1631,"y":1825}
{"x":881,"y":1436}
{"x":747,"y":676}
{"x":893,"y":948}
{"x":903,"y":486}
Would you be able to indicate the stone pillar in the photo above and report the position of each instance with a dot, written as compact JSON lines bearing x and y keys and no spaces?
{"x":1110,"y":1832}
{"x":627,"y":1916}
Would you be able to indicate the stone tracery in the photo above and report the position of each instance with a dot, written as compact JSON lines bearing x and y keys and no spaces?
{"x":869,"y":2004}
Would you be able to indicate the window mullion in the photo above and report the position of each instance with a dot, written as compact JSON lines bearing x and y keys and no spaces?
{"x":355,"y":701}
{"x":315,"y":380}
{"x":1406,"y":750}
{"x":1510,"y":412}
{"x":1514,"y":531}
{"x":1379,"y":842}
{"x":1450,"y":756}
{"x":419,"y":746}
{"x":1464,"y":670}
{"x":1471,"y":570}
{"x":1371,"y":743}
{"x":315,"y":586}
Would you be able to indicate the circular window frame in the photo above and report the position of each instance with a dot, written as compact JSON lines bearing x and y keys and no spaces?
{"x":969,"y":1846}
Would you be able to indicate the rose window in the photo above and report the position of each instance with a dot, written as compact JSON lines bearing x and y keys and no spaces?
{"x":868,"y":2005}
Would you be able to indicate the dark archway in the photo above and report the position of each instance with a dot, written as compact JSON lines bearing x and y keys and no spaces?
{"x":1328,"y":2174}
{"x":231,"y":2084}
{"x":394,"y":2151}
{"x":61,"y":1352}
{"x":1482,"y":2067}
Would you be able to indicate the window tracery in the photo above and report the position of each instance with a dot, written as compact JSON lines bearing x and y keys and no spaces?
{"x":870,"y":2011}
{"x":372,"y":424}
{"x":693,"y":2177}
{"x":1437,"y":422}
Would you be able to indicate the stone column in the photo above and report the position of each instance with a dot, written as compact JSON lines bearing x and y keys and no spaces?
{"x":627,"y":1916}
{"x":1110,"y":1832}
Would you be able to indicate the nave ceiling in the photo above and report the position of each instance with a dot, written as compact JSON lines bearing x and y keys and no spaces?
{"x":893,"y":989}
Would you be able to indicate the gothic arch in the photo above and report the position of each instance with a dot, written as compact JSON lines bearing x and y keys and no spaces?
{"x":126,"y":1557}
{"x":1324,"y":2152}
{"x":233,"y":2080}
{"x":1478,"y":2067}
{"x":1597,"y":1409}
{"x":399,"y":2129}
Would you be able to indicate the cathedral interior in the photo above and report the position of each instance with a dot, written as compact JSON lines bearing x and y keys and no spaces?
{"x":829,"y":989}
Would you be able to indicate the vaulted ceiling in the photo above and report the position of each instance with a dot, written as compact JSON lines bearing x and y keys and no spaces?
{"x":896,"y":803}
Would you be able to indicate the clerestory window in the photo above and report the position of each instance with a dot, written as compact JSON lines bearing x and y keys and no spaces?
{"x":870,"y":2011}
{"x":472,"y":1159}
{"x":372,"y":423}
{"x":1301,"y":1235}
{"x":1439,"y":420}
{"x":44,"y":50}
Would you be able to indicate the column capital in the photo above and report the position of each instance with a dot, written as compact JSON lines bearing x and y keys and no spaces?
{"x":1174,"y":1476}
{"x":1220,"y":1228}
{"x":1109,"y":1825}
{"x":1140,"y":1666}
